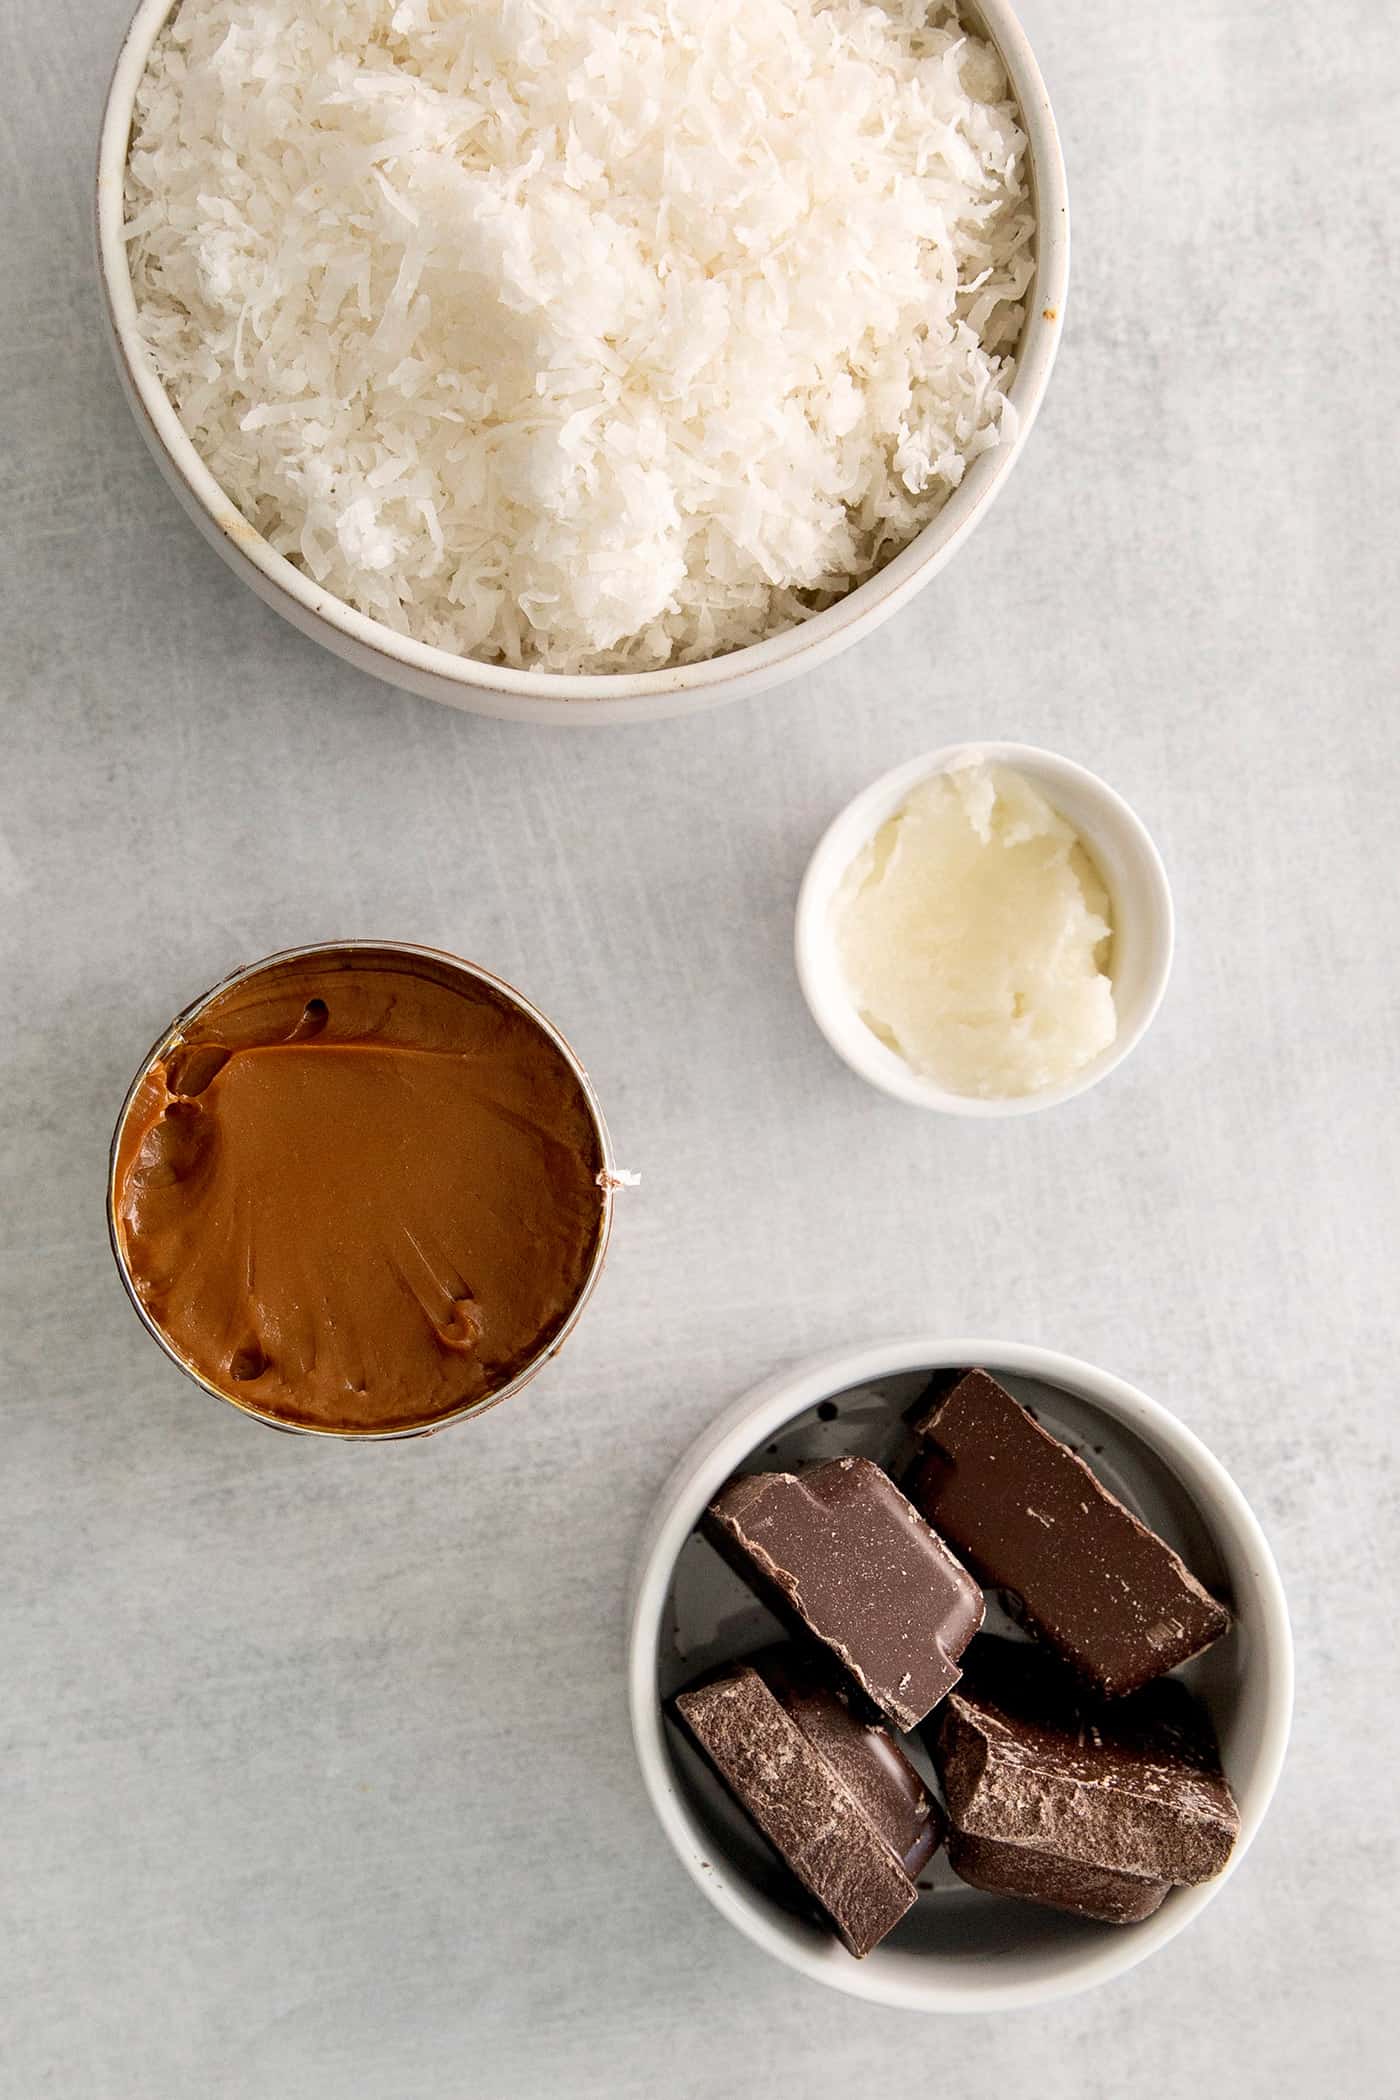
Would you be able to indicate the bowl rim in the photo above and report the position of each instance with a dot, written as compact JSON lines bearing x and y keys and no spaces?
{"x":610,"y":1178}
{"x":755,"y":1417}
{"x":547,"y":695}
{"x":817,"y":972}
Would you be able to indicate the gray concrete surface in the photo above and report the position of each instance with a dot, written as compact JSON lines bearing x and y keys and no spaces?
{"x":315,"y":1781}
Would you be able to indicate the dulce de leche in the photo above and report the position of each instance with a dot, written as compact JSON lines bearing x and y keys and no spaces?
{"x":361,"y":1191}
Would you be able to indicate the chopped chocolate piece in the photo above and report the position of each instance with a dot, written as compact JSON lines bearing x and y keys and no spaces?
{"x":1050,"y":1790}
{"x":1004,"y":1869}
{"x":805,"y":1810}
{"x":845,"y":1557}
{"x":1030,"y":1518}
{"x":861,"y":1753}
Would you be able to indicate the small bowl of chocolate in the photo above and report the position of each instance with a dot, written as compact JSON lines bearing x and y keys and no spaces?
{"x":361,"y":1189}
{"x":960,"y":1673}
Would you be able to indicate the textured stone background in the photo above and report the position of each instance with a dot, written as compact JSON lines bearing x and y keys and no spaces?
{"x":316,"y":1782}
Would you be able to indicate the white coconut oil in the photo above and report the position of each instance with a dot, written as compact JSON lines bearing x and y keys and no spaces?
{"x":976,"y":934}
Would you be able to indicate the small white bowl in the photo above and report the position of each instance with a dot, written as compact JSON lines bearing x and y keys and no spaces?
{"x":1131,"y":867}
{"x":544,"y":696}
{"x":958,"y":1950}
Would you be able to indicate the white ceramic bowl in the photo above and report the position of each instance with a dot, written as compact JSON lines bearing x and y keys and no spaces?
{"x":958,"y":1950}
{"x":645,"y":696}
{"x":1126,"y":858}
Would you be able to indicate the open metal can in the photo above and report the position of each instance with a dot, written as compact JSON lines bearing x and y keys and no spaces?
{"x":439,"y":968}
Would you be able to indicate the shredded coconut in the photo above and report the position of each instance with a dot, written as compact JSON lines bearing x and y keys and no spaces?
{"x":583,"y":335}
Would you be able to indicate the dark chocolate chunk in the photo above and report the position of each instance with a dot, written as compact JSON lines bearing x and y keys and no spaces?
{"x":1004,"y":1869}
{"x":1030,"y":1518}
{"x":845,"y":1557}
{"x":864,"y":1755}
{"x":801,"y":1804}
{"x":1088,"y":1805}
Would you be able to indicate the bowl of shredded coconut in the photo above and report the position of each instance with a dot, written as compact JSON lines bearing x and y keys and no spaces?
{"x":583,"y":360}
